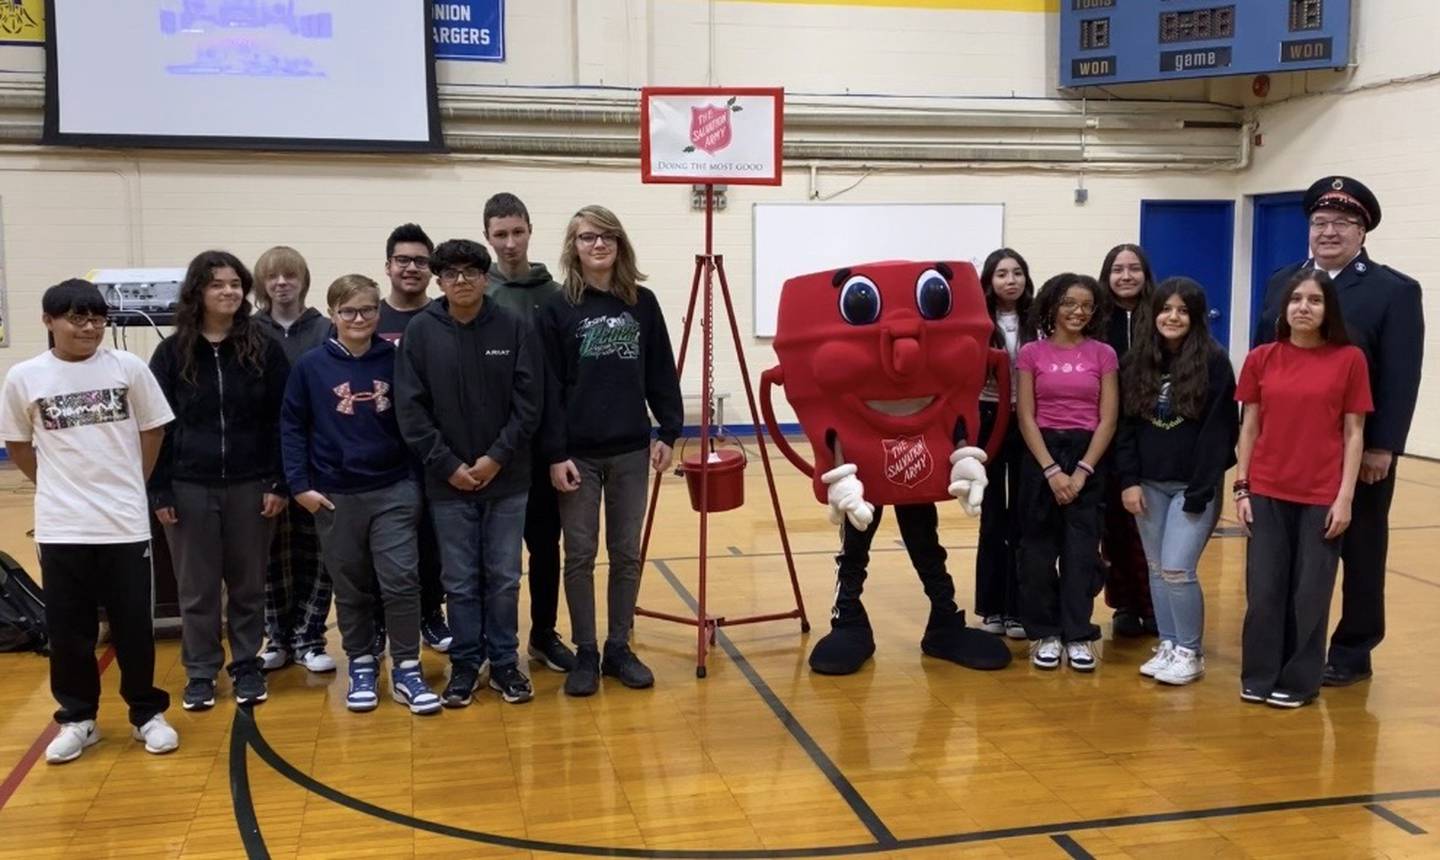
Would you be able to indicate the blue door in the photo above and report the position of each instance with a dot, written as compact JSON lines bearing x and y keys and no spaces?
{"x":1281,"y":237}
{"x":1194,"y":238}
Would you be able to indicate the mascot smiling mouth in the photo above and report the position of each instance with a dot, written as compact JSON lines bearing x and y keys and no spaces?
{"x":900,"y":408}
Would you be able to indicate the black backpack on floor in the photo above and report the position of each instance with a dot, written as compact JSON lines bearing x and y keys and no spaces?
{"x":22,"y":610}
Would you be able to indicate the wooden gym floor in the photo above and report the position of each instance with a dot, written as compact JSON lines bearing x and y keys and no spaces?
{"x":909,"y":758}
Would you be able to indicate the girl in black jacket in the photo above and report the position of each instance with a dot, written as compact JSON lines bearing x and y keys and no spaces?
{"x":217,"y":486}
{"x":1127,"y":282}
{"x":1005,"y":278}
{"x":1177,"y":438}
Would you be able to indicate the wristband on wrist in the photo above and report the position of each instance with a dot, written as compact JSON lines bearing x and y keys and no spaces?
{"x":1085,"y":467}
{"x":1051,"y":469}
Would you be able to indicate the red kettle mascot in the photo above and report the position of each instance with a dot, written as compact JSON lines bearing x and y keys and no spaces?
{"x":883,"y":364}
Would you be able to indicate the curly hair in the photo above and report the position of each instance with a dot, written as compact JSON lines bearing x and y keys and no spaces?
{"x":1144,"y":365}
{"x":249,"y":340}
{"x":1047,"y":304}
{"x":1022,"y":304}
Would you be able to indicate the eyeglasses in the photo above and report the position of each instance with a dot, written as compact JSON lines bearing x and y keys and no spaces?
{"x":367,"y":313}
{"x":611,"y":239}
{"x":86,"y":320}
{"x":1319,"y":225}
{"x":402,"y":261}
{"x":471,"y":274}
{"x":1071,"y":306}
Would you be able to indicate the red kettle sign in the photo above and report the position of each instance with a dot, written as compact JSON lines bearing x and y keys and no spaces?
{"x":709,"y":135}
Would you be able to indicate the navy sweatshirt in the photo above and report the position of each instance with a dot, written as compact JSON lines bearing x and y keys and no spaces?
{"x":466,"y":390}
{"x":608,"y":362}
{"x":338,"y":432}
{"x":1173,"y":448}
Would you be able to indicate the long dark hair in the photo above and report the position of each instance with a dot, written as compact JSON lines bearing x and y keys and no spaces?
{"x":1047,"y":304}
{"x":1189,"y":366}
{"x":248,"y":339}
{"x":1332,"y":326}
{"x":1147,"y":289}
{"x":1022,"y":304}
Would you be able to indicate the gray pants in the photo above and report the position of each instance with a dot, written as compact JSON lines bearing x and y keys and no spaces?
{"x":369,"y":542}
{"x":219,"y":538}
{"x":622,"y":480}
{"x":1289,"y":577}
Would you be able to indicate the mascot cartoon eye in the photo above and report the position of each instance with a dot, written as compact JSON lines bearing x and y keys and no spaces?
{"x":859,"y":301}
{"x":932,"y":295}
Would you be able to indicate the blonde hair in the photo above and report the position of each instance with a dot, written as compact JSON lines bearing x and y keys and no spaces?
{"x":625,"y":282}
{"x":347,"y":287}
{"x":280,"y":260}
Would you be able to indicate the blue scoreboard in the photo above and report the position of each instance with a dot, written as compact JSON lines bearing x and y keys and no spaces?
{"x":1126,"y":41}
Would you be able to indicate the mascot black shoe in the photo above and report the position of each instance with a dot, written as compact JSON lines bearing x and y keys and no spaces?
{"x":947,"y":638}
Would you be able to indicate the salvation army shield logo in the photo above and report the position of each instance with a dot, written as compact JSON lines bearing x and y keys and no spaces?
{"x":710,"y":128}
{"x":907,"y":460}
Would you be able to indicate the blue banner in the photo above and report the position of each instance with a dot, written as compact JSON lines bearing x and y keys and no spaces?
{"x":469,"y":30}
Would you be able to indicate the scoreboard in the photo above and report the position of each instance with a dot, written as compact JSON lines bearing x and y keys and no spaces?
{"x":1127,"y":41}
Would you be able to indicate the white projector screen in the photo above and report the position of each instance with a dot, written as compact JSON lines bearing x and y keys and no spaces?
{"x":293,"y":74}
{"x":799,"y":238}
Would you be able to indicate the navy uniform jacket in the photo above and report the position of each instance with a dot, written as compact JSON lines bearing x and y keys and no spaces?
{"x":1384,"y":317}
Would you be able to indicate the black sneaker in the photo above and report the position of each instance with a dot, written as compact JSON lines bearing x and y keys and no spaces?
{"x":463,"y":681}
{"x":436,"y":633}
{"x":1340,"y":676}
{"x":511,"y":684}
{"x":199,"y":695}
{"x":1128,"y":624}
{"x":620,"y":662}
{"x":250,"y":686}
{"x":1287,"y":699}
{"x":584,"y":679}
{"x":552,"y":652}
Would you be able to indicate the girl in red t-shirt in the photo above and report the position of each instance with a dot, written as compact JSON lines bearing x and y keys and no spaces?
{"x":1305,"y":398}
{"x":1067,"y":407}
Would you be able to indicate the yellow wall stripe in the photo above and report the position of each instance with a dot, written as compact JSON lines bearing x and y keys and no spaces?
{"x":974,"y":5}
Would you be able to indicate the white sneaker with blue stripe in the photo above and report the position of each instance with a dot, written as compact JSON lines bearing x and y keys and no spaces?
{"x":409,"y":688}
{"x":362,"y":695}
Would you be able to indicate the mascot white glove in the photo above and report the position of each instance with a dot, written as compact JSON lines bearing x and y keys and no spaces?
{"x":847,"y":497}
{"x":968,"y":479}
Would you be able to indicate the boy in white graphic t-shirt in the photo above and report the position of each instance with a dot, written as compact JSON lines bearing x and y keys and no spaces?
{"x":85,"y":423}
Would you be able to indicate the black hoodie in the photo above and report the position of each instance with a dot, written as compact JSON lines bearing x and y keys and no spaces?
{"x":466,"y":390}
{"x":227,"y":422}
{"x":608,"y":361}
{"x":303,"y":335}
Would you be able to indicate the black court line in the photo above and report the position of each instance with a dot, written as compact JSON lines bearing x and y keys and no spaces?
{"x":245,"y":819}
{"x":1420,"y":579}
{"x":245,"y":732}
{"x":843,"y":786}
{"x":1068,"y":844}
{"x":1396,"y":819}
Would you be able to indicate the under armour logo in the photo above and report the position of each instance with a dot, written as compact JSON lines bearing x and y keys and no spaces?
{"x":346,"y":406}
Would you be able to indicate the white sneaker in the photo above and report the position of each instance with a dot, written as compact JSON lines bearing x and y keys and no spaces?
{"x":1164,"y":653}
{"x":158,"y":736}
{"x":1081,"y":656}
{"x":1186,"y":666}
{"x":72,"y":741}
{"x":1045,"y":654}
{"x":993,"y":624}
{"x":316,"y":660}
{"x":1014,"y":629}
{"x":274,"y":657}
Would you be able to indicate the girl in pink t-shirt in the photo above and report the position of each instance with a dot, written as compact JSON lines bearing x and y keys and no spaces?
{"x":1067,"y":405}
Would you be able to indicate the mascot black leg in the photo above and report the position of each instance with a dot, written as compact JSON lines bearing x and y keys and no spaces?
{"x":946,"y":636}
{"x":850,"y":641}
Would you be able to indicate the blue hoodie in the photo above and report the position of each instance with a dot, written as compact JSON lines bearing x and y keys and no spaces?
{"x":338,"y":432}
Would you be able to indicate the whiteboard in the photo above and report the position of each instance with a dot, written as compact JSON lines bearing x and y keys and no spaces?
{"x":800,"y":238}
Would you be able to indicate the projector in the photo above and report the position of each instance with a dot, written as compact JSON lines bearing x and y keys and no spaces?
{"x":139,"y":297}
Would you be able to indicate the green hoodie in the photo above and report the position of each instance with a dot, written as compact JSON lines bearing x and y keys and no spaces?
{"x":524,"y":296}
